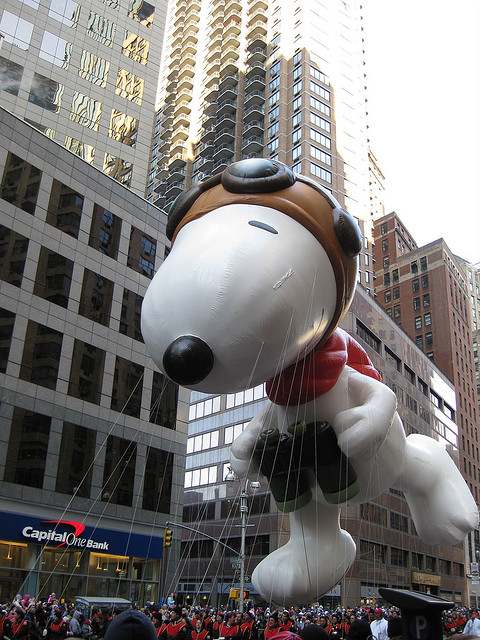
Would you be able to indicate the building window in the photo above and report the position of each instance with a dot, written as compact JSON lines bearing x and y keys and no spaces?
{"x":399,"y":557}
{"x":7,"y":321}
{"x":273,"y":130}
{"x":101,"y":29}
{"x":425,"y":281}
{"x":119,"y":471}
{"x":320,"y":172}
{"x":274,"y":84}
{"x":94,"y":69}
{"x":65,"y":11}
{"x":272,"y":146}
{"x":423,"y":263}
{"x":386,"y":262}
{"x":46,"y":93}
{"x":320,"y":106}
{"x":54,"y":277}
{"x":396,"y":312}
{"x":105,"y":231}
{"x":318,"y":75}
{"x":129,"y":86}
{"x":86,"y":373}
{"x":297,"y":167}
{"x":274,"y":113}
{"x":318,"y":154}
{"x":387,"y":296}
{"x":396,"y":293}
{"x":296,"y":152}
{"x":367,"y":336}
{"x":86,"y":111}
{"x":118,"y":169}
{"x":157,"y":484}
{"x":130,"y":318}
{"x":431,"y":564}
{"x":297,"y":58}
{"x":296,"y":120}
{"x":384,"y":228}
{"x":426,"y":300}
{"x":398,"y":522}
{"x":458,"y":570}
{"x":373,"y":513}
{"x":41,"y":355}
{"x":386,"y":279}
{"x":20,"y":183}
{"x":96,"y":297}
{"x":123,"y":128}
{"x":415,"y":285}
{"x":319,"y":91}
{"x":203,"y":442}
{"x":135,"y":47}
{"x":27,"y":448}
{"x":15,"y":30}
{"x":141,"y":12}
{"x":13,"y":253}
{"x":373,"y":552}
{"x":318,"y":137}
{"x":81,"y":149}
{"x":429,"y":339}
{"x":55,"y":50}
{"x":275,"y":68}
{"x":417,"y":561}
{"x":10,"y":76}
{"x":419,"y":342}
{"x":296,"y":136}
{"x":414,"y":267}
{"x":297,"y":88}
{"x":317,"y":121}
{"x":141,"y":252}
{"x":395,"y":275}
{"x":65,"y":208}
{"x":127,"y":387}
{"x":77,"y":451}
{"x":163,"y":406}
{"x":197,"y":477}
{"x":427,"y":317}
{"x":418,"y":322}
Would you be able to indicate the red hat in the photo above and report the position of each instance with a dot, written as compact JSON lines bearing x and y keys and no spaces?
{"x":378,"y":611}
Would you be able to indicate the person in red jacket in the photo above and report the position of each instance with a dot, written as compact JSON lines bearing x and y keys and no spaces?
{"x":57,"y":628}
{"x":216,"y":626}
{"x":177,"y":628}
{"x":248,"y":629}
{"x":229,"y":629}
{"x":286,"y":623}
{"x":272,"y":627}
{"x":17,"y":626}
{"x":200,"y":632}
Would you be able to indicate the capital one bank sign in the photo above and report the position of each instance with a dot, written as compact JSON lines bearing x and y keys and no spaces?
{"x":72,"y":534}
{"x":66,"y":538}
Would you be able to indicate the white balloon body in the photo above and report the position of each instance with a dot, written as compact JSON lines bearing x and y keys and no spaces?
{"x":262,"y":301}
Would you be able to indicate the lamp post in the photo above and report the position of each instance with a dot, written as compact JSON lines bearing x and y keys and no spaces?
{"x":249,"y":484}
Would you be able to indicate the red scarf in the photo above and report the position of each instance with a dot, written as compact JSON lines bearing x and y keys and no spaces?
{"x":246,"y":629}
{"x":319,"y":371}
{"x":228,"y":632}
{"x":199,"y":635}
{"x":174,"y":628}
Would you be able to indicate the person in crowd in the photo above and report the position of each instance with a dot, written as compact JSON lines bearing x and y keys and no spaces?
{"x":472,"y":626}
{"x":57,"y":628}
{"x":131,"y":625}
{"x":359,"y":630}
{"x":271,"y":629}
{"x":200,"y":632}
{"x":229,"y":628}
{"x":75,"y":625}
{"x":379,"y":625}
{"x":248,"y":630}
{"x":178,"y":628}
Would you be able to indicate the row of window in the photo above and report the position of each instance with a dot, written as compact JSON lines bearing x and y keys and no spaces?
{"x":243,"y":397}
{"x":42,"y":351}
{"x":92,"y":68}
{"x":379,"y":554}
{"x":258,"y":504}
{"x":205,"y":408}
{"x":257,"y":545}
{"x":375,"y":514}
{"x":375,"y":343}
{"x":18,"y":31}
{"x":197,"y":477}
{"x":27,"y":458}
{"x":202,"y":442}
{"x":20,"y":186}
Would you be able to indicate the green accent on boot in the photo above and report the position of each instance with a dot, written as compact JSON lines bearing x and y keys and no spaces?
{"x":343,"y":495}
{"x":295,"y":503}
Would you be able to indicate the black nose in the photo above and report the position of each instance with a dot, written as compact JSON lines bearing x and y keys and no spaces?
{"x":188,"y":360}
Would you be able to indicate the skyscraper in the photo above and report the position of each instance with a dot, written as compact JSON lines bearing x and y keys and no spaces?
{"x":277,"y":78}
{"x":85,"y":73}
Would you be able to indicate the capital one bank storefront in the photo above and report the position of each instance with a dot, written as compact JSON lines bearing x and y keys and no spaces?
{"x":70,"y":558}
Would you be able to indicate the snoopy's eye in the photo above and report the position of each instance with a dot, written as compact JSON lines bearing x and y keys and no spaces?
{"x":262,"y":225}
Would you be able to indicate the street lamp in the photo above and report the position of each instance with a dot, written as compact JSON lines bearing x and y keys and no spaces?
{"x":249,"y":484}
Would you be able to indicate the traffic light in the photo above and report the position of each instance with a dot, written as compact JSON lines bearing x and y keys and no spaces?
{"x":167,"y":537}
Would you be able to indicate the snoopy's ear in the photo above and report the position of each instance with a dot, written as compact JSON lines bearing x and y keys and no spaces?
{"x":347,"y":231}
{"x":185,"y":201}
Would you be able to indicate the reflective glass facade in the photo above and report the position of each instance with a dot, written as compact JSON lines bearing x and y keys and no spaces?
{"x":86,"y":71}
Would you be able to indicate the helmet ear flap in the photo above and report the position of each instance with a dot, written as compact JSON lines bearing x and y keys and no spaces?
{"x":347,"y":231}
{"x":185,"y":201}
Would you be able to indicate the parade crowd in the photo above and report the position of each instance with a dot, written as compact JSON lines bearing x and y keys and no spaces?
{"x":52,"y":619}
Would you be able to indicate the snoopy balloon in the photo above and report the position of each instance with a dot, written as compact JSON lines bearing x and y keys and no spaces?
{"x":263,"y":266}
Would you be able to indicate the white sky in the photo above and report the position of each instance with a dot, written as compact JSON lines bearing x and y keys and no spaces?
{"x":423,"y":70}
